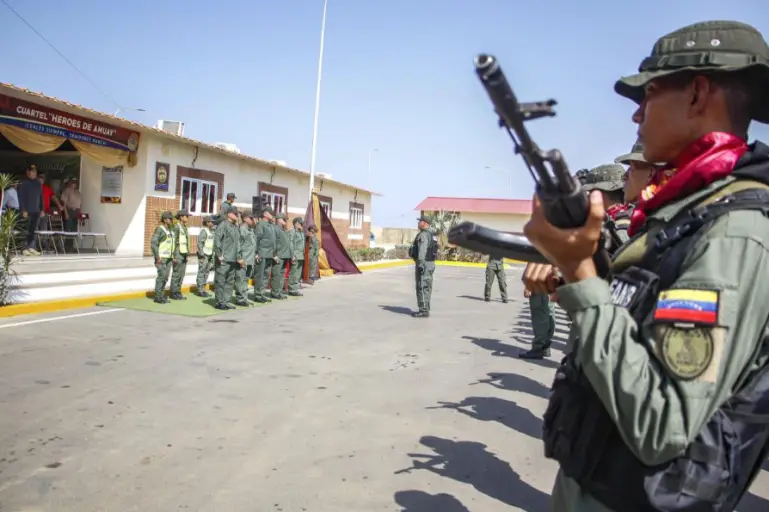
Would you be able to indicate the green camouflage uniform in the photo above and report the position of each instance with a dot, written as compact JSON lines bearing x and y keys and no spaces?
{"x":162,"y":246}
{"x":542,"y":322}
{"x":248,"y":256}
{"x":181,"y":255}
{"x":423,"y":270}
{"x":314,"y":254}
{"x":284,"y":252}
{"x":495,"y":268}
{"x":205,"y":256}
{"x":661,"y":382}
{"x":297,"y":262}
{"x":227,"y":248}
{"x":265,"y":249}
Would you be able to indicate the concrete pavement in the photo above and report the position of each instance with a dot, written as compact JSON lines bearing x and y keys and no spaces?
{"x":339,"y":401}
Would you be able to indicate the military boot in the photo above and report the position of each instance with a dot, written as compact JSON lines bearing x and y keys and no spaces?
{"x":535,"y":353}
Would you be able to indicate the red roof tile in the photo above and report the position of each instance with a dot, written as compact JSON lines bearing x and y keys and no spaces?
{"x":473,"y":205}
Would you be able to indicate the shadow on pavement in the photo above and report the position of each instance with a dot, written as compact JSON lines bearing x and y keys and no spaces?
{"x":398,"y":309}
{"x":515,"y":382}
{"x":752,"y":503}
{"x":470,"y":297}
{"x":420,"y":501}
{"x":497,"y":348}
{"x":470,"y":463}
{"x":506,"y":412}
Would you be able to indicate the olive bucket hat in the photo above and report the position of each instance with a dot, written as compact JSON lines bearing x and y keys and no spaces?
{"x":706,"y":47}
{"x":607,"y":177}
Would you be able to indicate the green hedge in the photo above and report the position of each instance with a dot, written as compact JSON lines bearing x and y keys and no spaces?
{"x":372,"y":254}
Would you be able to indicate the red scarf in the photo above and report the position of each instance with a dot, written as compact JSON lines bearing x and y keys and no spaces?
{"x":616,"y":209}
{"x":702,"y":162}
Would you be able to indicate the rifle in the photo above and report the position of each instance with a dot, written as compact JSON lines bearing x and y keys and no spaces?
{"x":564,"y":202}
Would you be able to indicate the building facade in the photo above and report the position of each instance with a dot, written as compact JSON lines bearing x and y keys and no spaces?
{"x":125,"y":189}
{"x":501,"y":214}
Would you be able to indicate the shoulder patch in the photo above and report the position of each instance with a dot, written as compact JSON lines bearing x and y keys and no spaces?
{"x":690,"y":306}
{"x":688,"y":353}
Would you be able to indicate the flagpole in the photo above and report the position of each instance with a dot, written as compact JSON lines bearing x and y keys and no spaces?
{"x":317,"y":101}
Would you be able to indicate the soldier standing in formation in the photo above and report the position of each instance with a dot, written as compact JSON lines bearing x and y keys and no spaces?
{"x":661,"y":404}
{"x":638,"y":174}
{"x":314,"y":253}
{"x":265,"y":254}
{"x":297,"y":262}
{"x":205,"y":255}
{"x":227,"y":249}
{"x":283,"y":256}
{"x":609,"y":179}
{"x":181,"y":254}
{"x":542,"y":311}
{"x":162,"y":247}
{"x":227,"y":206}
{"x":424,"y":252}
{"x":247,"y":257}
{"x":495,"y":268}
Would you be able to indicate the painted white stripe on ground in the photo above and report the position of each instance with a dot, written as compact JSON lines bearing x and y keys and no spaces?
{"x":41,"y":320}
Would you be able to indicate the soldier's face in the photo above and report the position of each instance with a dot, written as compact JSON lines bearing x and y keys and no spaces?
{"x":636,"y":179}
{"x":672,"y":115}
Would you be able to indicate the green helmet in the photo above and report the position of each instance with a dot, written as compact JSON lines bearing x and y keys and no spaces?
{"x":607,"y":177}
{"x":636,"y":154}
{"x":166,"y":215}
{"x":707,"y":47}
{"x":298,"y":220}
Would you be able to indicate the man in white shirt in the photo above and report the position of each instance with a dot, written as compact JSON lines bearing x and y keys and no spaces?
{"x":10,"y":199}
{"x":72,"y":201}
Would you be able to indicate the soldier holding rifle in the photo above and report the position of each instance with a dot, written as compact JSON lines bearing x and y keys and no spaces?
{"x":661,"y":403}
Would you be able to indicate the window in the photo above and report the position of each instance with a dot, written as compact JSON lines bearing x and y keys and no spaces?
{"x":356,"y":216}
{"x":326,"y":204}
{"x":198,"y":196}
{"x":276,"y":200}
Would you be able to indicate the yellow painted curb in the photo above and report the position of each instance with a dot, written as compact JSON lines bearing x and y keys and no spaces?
{"x":84,"y":302}
{"x":385,"y":264}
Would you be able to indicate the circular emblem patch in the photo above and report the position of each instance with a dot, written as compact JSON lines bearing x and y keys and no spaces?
{"x":687,"y":352}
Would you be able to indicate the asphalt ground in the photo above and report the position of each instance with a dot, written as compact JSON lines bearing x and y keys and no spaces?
{"x":338,"y":401}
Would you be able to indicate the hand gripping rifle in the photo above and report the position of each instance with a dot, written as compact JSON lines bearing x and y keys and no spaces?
{"x":564,"y":202}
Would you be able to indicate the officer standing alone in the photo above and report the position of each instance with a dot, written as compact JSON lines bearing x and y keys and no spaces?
{"x":181,"y":254}
{"x":205,"y":255}
{"x":424,"y":252}
{"x":162,"y":247}
{"x":661,"y":403}
{"x":495,"y":268}
{"x":227,"y":249}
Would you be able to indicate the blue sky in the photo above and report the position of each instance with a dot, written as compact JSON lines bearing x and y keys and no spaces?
{"x":397,"y":77}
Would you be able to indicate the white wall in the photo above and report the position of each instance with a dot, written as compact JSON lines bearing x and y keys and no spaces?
{"x":122,"y":223}
{"x":243,"y":177}
{"x":342,"y":197}
{"x":501,"y":221}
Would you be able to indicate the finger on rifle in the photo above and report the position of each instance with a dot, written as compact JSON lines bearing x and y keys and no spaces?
{"x":597,"y":213}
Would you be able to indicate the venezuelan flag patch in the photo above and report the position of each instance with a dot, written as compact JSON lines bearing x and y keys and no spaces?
{"x":687,"y":306}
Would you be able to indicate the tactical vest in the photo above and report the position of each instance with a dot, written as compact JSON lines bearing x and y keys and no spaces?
{"x":208,"y":244}
{"x":720,"y":464}
{"x":432,"y":248}
{"x":183,"y":249}
{"x":166,"y":247}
